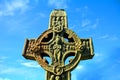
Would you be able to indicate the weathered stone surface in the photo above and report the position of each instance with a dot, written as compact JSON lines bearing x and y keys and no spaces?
{"x":58,"y":43}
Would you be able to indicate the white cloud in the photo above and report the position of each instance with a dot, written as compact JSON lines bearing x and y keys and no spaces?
{"x":83,"y":8}
{"x":11,"y":70}
{"x":8,"y":69}
{"x":94,"y":25}
{"x":83,"y":11}
{"x":10,"y":7}
{"x":74,"y":77}
{"x":86,"y":22}
{"x":58,"y":4}
{"x":4,"y":78}
{"x":31,"y":64}
{"x":80,"y":67}
{"x":90,"y":24}
{"x":42,"y":15}
{"x":2,"y":58}
{"x":76,"y":71}
{"x":21,"y":72}
{"x":99,"y":57}
{"x":107,"y":37}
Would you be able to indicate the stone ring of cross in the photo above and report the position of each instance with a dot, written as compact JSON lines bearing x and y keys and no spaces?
{"x":52,"y":49}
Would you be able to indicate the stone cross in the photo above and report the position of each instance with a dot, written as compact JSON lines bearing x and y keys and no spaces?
{"x":58,"y":43}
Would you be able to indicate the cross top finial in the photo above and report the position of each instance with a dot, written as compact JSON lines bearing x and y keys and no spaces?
{"x":58,"y":17}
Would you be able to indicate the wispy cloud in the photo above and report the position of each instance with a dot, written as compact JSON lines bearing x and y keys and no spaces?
{"x":83,"y":11}
{"x":58,"y":4}
{"x":94,"y":25}
{"x":99,"y":57}
{"x":42,"y":15}
{"x":19,"y":71}
{"x":31,"y":64}
{"x":107,"y":37}
{"x":89,"y":23}
{"x":9,"y":8}
{"x":9,"y":70}
{"x":85,"y":23}
{"x":3,"y":58}
{"x":4,"y":78}
{"x":79,"y":67}
{"x":74,"y":77}
{"x":102,"y":67}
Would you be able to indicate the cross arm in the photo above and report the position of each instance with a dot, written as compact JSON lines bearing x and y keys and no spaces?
{"x":27,"y":51}
{"x":30,"y":46}
{"x":88,"y":51}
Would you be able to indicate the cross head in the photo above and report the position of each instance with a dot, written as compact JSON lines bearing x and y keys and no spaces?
{"x":58,"y":43}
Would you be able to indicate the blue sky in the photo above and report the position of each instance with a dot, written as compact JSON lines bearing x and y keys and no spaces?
{"x":99,"y":19}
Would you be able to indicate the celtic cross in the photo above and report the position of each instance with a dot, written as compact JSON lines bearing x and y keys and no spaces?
{"x":58,"y":43}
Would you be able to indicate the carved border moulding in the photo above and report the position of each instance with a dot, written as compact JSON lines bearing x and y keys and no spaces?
{"x":58,"y":43}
